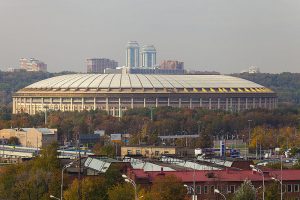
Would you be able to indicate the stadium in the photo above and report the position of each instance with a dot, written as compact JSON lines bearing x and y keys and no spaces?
{"x":116,"y":93}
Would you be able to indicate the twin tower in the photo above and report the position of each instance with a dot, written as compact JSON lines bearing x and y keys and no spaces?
{"x":148,"y":55}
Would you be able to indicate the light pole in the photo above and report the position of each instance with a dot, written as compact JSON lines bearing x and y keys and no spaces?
{"x":263,"y":176}
{"x":249,"y":133}
{"x":46,"y":109}
{"x":128,"y":180}
{"x":281,"y":193}
{"x":218,"y":192}
{"x":53,"y":197}
{"x":193,"y":190}
{"x":62,"y":178}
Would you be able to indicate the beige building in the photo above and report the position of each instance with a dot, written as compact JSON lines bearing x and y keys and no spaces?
{"x":31,"y":137}
{"x":155,"y":151}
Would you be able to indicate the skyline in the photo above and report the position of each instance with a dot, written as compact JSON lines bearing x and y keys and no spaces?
{"x":223,"y":36}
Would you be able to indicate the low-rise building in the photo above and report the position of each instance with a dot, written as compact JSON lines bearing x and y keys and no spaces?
{"x":156,"y":151}
{"x":31,"y":137}
{"x":226,"y":181}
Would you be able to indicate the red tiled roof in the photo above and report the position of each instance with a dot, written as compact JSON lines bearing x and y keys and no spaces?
{"x":221,"y":175}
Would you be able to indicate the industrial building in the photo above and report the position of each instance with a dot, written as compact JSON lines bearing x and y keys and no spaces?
{"x":116,"y":93}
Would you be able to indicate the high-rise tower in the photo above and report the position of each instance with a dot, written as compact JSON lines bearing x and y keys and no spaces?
{"x":132,"y":54}
{"x":148,"y":56}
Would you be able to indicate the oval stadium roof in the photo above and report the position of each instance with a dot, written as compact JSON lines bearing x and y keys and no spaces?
{"x":141,"y":81}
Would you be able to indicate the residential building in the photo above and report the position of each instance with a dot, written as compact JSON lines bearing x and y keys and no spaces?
{"x":98,"y":65}
{"x":171,"y":65}
{"x":33,"y":65}
{"x":31,"y":137}
{"x":148,"y":56}
{"x":132,"y":54}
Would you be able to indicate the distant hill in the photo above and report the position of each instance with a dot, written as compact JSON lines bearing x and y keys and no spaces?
{"x":287,"y":85}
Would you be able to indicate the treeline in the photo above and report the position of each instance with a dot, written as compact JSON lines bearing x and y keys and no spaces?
{"x":169,"y":121}
{"x":286,"y":85}
{"x":11,"y":82}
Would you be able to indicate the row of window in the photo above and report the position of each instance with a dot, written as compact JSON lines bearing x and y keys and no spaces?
{"x":206,"y":189}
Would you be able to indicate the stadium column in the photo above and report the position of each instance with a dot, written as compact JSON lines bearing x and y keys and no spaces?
{"x":168,"y":101}
{"x":144,"y":102}
{"x":259,"y":102}
{"x":120,"y":108}
{"x":179,"y":102}
{"x":246,"y":103}
{"x":94,"y":103}
{"x":239,"y":105}
{"x":226,"y":104}
{"x":14,"y":106}
{"x":265,"y":102}
{"x":82,"y":104}
{"x":253,"y":101}
{"x":218,"y":103}
{"x":30,"y":106}
{"x":60,"y":104}
{"x":156,"y":102}
{"x":200,"y":102}
{"x":191,"y":103}
{"x":209,"y":103}
{"x":106,"y":105}
{"x":131,"y":102}
{"x":72,"y":109}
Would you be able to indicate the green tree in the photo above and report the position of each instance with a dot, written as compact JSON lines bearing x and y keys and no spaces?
{"x":167,"y":188}
{"x":123,"y":191}
{"x":245,"y":192}
{"x":13,"y":141}
{"x":272,"y":191}
{"x":92,"y":188}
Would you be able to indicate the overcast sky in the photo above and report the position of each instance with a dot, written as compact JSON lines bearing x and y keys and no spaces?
{"x":223,"y":35}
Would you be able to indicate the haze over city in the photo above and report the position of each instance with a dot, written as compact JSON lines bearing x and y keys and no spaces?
{"x":225,"y":36}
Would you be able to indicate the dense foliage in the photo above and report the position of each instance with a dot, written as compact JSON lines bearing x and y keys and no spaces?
{"x":286,"y":85}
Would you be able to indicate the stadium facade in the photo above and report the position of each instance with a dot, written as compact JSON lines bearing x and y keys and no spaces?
{"x":116,"y":93}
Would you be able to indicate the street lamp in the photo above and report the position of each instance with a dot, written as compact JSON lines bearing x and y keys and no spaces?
{"x":280,"y":181}
{"x":62,"y":178}
{"x":128,"y":180}
{"x":193,"y":190}
{"x":218,"y":192}
{"x":263,"y":176}
{"x":53,"y":197}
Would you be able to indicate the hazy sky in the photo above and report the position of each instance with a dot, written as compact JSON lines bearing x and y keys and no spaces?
{"x":222,"y":35}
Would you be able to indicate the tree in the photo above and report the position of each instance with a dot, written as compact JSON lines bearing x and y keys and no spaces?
{"x":13,"y":141}
{"x":92,"y":188}
{"x":167,"y":188}
{"x":123,"y":191}
{"x":272,"y":191}
{"x":245,"y":192}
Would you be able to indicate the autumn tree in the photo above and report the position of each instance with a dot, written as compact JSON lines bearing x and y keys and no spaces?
{"x":245,"y":192}
{"x":167,"y":188}
{"x":92,"y":188}
{"x":123,"y":191}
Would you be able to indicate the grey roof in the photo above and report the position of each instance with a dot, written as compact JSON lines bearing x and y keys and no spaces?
{"x":146,"y":81}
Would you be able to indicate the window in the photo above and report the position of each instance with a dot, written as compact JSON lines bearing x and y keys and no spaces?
{"x":289,"y":188}
{"x":212,"y":189}
{"x":129,"y":152}
{"x":156,"y":153}
{"x":296,"y":188}
{"x":198,"y":189}
{"x":205,"y":189}
{"x":231,"y":189}
{"x":138,"y":152}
